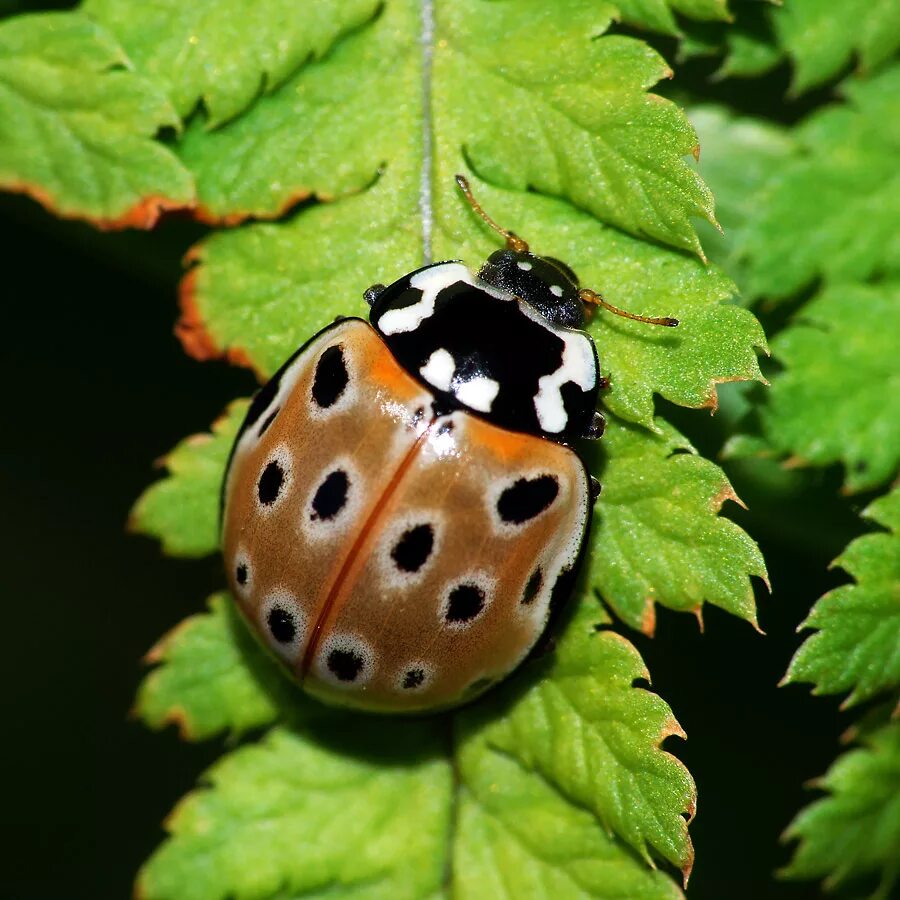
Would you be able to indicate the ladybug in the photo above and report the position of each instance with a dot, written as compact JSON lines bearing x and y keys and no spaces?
{"x":403,"y":508}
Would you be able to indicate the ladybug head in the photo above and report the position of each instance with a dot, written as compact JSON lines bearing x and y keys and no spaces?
{"x":545,"y":283}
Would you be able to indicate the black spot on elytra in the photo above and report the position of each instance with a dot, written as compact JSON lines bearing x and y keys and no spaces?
{"x":477,"y":686}
{"x":465,"y":603}
{"x":268,"y":421}
{"x":331,"y":377}
{"x":270,"y":483}
{"x":241,"y":573}
{"x":533,"y":586}
{"x":345,"y":665}
{"x":527,"y":498}
{"x":411,"y":552}
{"x":281,"y":624}
{"x":264,"y":396}
{"x":413,"y":679}
{"x":331,"y":495}
{"x":562,"y":587}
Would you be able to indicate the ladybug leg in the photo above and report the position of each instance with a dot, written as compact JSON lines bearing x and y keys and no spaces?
{"x":595,"y":430}
{"x":595,"y":489}
{"x":603,"y":382}
{"x":370,"y":295}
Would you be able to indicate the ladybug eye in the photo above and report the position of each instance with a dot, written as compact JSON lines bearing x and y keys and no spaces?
{"x":527,"y":498}
{"x":241,"y":574}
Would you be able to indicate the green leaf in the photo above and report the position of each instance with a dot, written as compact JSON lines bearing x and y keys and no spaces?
{"x":838,"y":398}
{"x":525,"y":840}
{"x":182,"y":510}
{"x":821,"y":36}
{"x":597,"y":137}
{"x":349,"y":809}
{"x":588,"y":733}
{"x":578,"y":742}
{"x":856,"y":646}
{"x":223,"y":53}
{"x":747,"y":43}
{"x":832,"y":211}
{"x":658,"y":15}
{"x":578,"y":101}
{"x":323,"y":133}
{"x":751,"y":52}
{"x":740,"y":156}
{"x":77,"y":125}
{"x":211,"y":676}
{"x":658,"y":537}
{"x":854,"y":832}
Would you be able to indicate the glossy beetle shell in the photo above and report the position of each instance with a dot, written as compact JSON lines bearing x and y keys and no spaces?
{"x":395,"y":553}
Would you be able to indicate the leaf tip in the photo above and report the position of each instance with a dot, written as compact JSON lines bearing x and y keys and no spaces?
{"x":648,"y":617}
{"x":191,"y":330}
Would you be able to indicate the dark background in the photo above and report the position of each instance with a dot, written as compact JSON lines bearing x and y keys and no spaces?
{"x":97,"y":388}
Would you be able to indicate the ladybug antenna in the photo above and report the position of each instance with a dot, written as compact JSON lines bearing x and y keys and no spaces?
{"x":513,"y":241}
{"x":592,"y":298}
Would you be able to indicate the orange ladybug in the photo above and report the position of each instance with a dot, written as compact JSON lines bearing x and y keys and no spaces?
{"x":402,"y":510}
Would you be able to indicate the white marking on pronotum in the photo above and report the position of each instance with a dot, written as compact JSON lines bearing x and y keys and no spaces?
{"x":478,"y":392}
{"x":556,"y":290}
{"x":430,"y":282}
{"x":577,"y":365}
{"x":425,"y":208}
{"x":524,"y":266}
{"x":438,"y":370}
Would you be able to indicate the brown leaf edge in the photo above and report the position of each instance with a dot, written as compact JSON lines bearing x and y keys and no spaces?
{"x":142,"y":215}
{"x":190,"y":328}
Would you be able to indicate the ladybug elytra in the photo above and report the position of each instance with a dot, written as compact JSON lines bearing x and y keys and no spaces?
{"x":402,"y":508}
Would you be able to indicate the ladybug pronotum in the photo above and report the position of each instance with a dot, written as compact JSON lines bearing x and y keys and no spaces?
{"x":402,"y":508}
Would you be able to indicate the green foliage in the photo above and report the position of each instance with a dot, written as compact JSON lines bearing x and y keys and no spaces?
{"x":841,"y":193}
{"x":838,"y":398}
{"x":812,"y":213}
{"x":206,"y":52}
{"x":345,"y":810}
{"x":659,"y":538}
{"x":76,"y":124}
{"x":821,"y":37}
{"x":659,"y":15}
{"x":857,"y":637}
{"x":210,"y":677}
{"x":852,"y":836}
{"x":556,"y":783}
{"x":578,"y":743}
{"x":182,"y":510}
{"x":740,"y":157}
